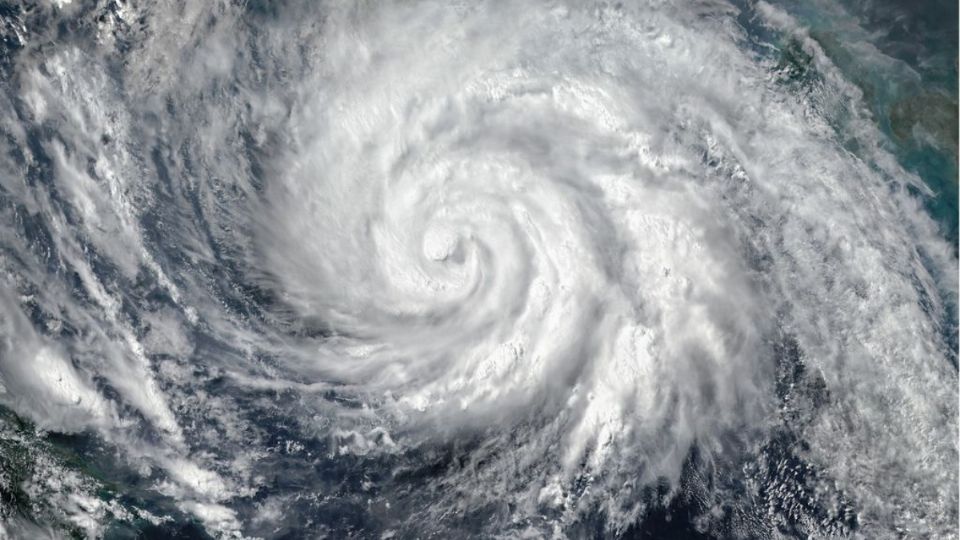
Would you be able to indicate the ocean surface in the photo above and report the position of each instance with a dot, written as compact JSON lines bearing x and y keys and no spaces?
{"x":494,"y":269}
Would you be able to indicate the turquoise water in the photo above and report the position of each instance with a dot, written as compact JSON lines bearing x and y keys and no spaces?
{"x":903,"y":56}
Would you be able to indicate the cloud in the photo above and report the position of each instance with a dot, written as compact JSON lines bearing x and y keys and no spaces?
{"x":578,"y":237}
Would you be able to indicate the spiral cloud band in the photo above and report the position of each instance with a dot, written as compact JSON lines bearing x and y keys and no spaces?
{"x":504,"y":268}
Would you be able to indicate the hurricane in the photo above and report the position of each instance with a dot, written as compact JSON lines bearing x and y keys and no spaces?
{"x":502,"y":269}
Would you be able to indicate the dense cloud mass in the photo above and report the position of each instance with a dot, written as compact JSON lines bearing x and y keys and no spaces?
{"x":501,"y":268}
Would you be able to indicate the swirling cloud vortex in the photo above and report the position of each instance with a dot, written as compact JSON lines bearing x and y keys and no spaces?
{"x":581,"y":237}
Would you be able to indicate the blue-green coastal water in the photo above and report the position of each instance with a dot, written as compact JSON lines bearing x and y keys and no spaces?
{"x":903,"y":56}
